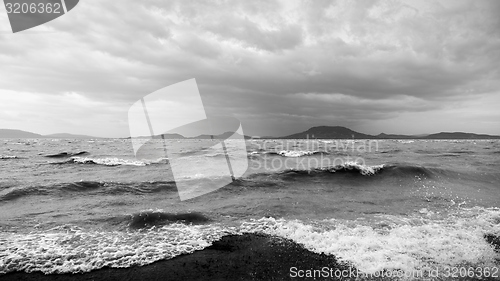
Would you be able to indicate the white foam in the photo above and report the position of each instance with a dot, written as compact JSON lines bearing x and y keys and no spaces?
{"x":407,"y":243}
{"x":73,"y":250}
{"x":419,"y":245}
{"x":363,"y":169}
{"x":8,"y":157}
{"x":108,"y":161}
{"x":405,"y":141}
{"x":295,"y":153}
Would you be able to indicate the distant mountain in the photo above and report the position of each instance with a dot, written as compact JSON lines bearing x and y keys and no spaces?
{"x":222,"y":136}
{"x":180,"y":137}
{"x":329,"y":132}
{"x":459,"y":136}
{"x":165,"y":136}
{"x":321,"y":132}
{"x":18,"y":134}
{"x":69,"y":136}
{"x":338,"y":132}
{"x":393,"y":136}
{"x":169,"y":137}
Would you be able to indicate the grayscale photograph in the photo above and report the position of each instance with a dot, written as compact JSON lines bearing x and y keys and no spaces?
{"x":250,"y":140}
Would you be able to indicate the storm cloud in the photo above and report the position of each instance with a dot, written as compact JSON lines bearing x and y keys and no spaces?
{"x":278,"y":66}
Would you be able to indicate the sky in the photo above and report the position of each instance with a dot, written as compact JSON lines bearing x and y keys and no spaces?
{"x":280,"y":67}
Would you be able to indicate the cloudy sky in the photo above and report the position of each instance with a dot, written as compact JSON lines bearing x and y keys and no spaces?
{"x":278,"y":66}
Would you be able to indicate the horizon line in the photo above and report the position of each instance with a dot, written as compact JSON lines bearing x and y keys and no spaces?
{"x":423,"y":135}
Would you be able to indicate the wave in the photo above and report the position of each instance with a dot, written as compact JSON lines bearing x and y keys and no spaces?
{"x":411,"y":171}
{"x":150,"y":218}
{"x":116,"y":188}
{"x":427,"y":152}
{"x":17,"y":192}
{"x":350,"y":174}
{"x":80,"y":186}
{"x":405,"y":141}
{"x":462,"y":152}
{"x":447,"y":155}
{"x":295,"y":153}
{"x":214,"y":155}
{"x":111,"y":161}
{"x":109,"y":188}
{"x":7,"y":157}
{"x":458,"y":153}
{"x":387,"y":171}
{"x":66,"y":154}
{"x":349,"y":171}
{"x":364,"y":170}
{"x":391,"y":151}
{"x":467,"y":237}
{"x":70,"y":249}
{"x":107,"y":161}
{"x":189,"y":152}
{"x":253,"y":154}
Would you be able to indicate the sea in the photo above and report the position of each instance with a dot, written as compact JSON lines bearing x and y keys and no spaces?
{"x":77,"y":205}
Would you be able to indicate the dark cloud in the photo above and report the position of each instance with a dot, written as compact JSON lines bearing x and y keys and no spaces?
{"x":279,"y":66}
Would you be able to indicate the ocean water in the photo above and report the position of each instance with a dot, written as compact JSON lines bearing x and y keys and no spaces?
{"x":395,"y":205}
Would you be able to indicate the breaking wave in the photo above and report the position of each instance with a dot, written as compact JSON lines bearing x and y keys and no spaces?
{"x":66,"y":154}
{"x":155,"y":218}
{"x":63,"y":189}
{"x":7,"y":157}
{"x":409,"y":244}
{"x":296,"y":153}
{"x":413,"y":243}
{"x":111,"y":161}
{"x":350,"y":173}
{"x":346,"y":167}
{"x":70,"y":249}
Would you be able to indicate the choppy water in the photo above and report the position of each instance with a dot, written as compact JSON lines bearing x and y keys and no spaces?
{"x":386,"y":204}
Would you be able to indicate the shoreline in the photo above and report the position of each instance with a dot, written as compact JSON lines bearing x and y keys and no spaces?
{"x":234,"y":257}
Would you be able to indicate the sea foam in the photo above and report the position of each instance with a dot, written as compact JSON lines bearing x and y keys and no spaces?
{"x":5,"y":157}
{"x":363,"y":169}
{"x":296,"y":153}
{"x":408,"y":244}
{"x":107,"y":161}
{"x":415,"y":246}
{"x":69,"y":249}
